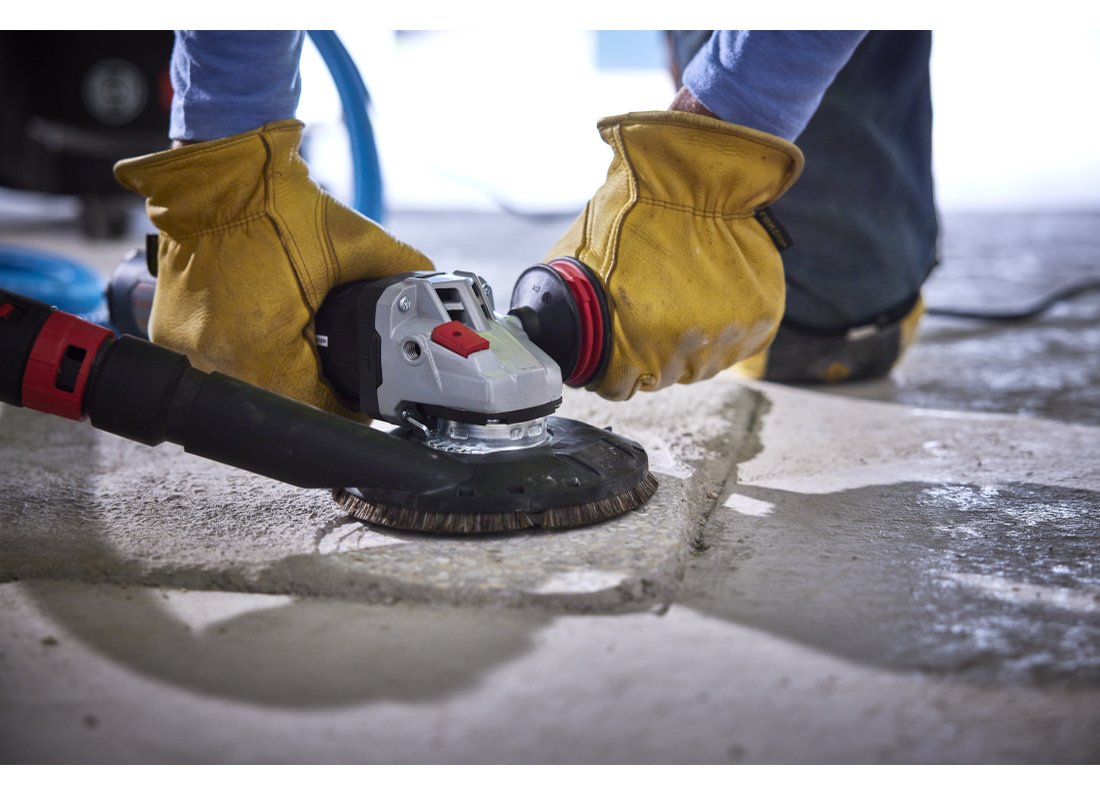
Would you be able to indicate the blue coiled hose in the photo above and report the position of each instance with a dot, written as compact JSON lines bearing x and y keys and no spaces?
{"x":55,"y":279}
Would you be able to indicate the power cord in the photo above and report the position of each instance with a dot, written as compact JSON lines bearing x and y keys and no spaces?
{"x":1021,"y":315}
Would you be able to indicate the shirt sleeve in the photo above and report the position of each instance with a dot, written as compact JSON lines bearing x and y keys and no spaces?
{"x":769,"y":80}
{"x":229,"y":82}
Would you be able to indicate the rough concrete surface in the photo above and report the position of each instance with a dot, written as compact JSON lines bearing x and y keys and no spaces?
{"x":897,"y":571}
{"x":120,"y":512}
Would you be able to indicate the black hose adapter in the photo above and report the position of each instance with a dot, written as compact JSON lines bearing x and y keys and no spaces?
{"x":59,"y":364}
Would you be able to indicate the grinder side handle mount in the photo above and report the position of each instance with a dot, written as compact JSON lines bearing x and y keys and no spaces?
{"x":563,"y":309}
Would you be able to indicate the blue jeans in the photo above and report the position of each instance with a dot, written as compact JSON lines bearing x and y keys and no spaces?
{"x":863,"y":216}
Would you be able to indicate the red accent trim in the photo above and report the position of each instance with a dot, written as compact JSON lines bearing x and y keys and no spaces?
{"x":5,"y":310}
{"x":457,"y":338}
{"x":60,"y":332}
{"x":590,"y":341}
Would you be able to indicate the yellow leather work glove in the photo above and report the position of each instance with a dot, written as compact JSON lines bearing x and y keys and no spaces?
{"x":249,"y":247}
{"x":693,"y":280}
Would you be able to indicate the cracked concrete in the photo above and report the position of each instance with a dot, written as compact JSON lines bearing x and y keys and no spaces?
{"x":897,"y":571}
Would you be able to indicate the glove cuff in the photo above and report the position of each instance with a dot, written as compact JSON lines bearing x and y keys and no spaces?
{"x":706,"y":165}
{"x":214,"y":185}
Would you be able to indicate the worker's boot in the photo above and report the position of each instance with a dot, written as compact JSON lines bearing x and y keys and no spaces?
{"x":871,"y":350}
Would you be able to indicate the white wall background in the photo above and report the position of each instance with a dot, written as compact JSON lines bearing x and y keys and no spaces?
{"x":475,"y":119}
{"x":1017,"y":120}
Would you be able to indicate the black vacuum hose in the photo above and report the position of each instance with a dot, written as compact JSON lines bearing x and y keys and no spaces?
{"x":59,"y":364}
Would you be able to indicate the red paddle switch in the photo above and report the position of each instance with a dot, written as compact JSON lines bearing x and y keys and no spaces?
{"x":457,"y":338}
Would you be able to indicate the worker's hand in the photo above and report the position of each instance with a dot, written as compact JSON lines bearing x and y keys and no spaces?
{"x":249,"y":248}
{"x":693,"y":280}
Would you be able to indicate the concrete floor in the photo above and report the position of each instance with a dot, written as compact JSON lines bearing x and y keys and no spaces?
{"x":898,"y":571}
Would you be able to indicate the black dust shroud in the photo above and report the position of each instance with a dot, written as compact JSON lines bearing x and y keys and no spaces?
{"x":582,"y":476}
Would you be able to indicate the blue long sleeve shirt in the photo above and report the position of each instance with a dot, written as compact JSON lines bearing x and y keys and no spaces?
{"x":228,"y":82}
{"x":769,"y":80}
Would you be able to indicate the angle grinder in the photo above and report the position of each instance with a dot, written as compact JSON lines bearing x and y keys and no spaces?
{"x":470,"y":391}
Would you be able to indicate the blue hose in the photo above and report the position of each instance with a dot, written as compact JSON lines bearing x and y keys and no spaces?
{"x":355,"y":101}
{"x":54,"y":279}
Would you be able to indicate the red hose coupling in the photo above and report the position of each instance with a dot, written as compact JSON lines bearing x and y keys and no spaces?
{"x":60,"y":363}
